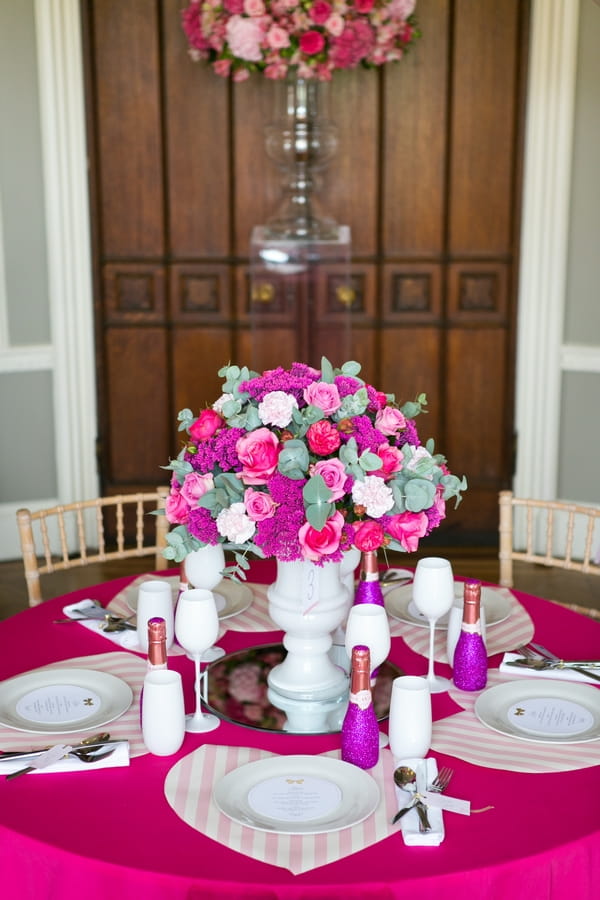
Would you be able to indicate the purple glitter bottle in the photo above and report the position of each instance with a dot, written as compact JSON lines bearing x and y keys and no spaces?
{"x":369,"y":586}
{"x":360,"y":731}
{"x":470,"y":656}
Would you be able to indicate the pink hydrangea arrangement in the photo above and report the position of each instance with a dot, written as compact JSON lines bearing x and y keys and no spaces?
{"x":314,"y":36}
{"x":304,"y":464}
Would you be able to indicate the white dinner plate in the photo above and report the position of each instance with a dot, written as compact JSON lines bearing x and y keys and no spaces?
{"x":297,"y":795}
{"x":399,"y":604}
{"x":549,"y":712}
{"x":231,"y":597}
{"x":62,"y":701}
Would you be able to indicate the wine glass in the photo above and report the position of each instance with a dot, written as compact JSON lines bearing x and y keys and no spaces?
{"x":196,"y":629}
{"x":433,"y":595}
{"x":368,"y":624}
{"x":204,"y":569}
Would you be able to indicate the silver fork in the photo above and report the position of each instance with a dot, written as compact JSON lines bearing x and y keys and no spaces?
{"x":441,"y":782}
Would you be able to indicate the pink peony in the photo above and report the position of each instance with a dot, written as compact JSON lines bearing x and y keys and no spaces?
{"x":311,"y":42}
{"x":369,"y":536}
{"x":317,"y":544}
{"x":195,"y":486}
{"x":407,"y":528}
{"x":335,"y":24}
{"x":254,"y":8}
{"x":333,"y":474}
{"x":258,"y":452}
{"x":325,"y":397}
{"x":205,"y":425}
{"x":259,"y":505}
{"x":323,"y":438}
{"x":277,"y":37}
{"x":389,"y":420}
{"x":244,"y":37}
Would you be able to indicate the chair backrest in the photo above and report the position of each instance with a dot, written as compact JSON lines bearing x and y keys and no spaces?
{"x":91,"y":531}
{"x":549,"y":533}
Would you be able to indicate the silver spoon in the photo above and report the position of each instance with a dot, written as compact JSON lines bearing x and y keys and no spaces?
{"x":405,"y":778}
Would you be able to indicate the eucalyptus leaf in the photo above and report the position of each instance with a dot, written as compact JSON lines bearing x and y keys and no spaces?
{"x":318,"y":513}
{"x":327,"y":373}
{"x":369,"y":461}
{"x":294,"y":460}
{"x":419,"y":494}
{"x":351,"y":368}
{"x":316,"y":491}
{"x":231,"y":485}
{"x":186,"y":418}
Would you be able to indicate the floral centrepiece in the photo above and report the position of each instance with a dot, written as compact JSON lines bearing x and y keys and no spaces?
{"x":302,"y":464}
{"x":316,"y":36}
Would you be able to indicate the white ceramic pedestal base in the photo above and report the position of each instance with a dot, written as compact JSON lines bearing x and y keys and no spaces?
{"x":308,"y":602}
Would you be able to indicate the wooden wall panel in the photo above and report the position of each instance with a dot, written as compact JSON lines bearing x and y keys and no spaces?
{"x":127,"y":80}
{"x":196,"y":115}
{"x":415,"y":141}
{"x":482,"y":161}
{"x":137,"y":397}
{"x":412,"y":363}
{"x":198,"y":354}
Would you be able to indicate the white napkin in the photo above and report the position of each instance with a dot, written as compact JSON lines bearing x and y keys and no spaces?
{"x":555,"y":674}
{"x":410,"y":822}
{"x":71,"y":763}
{"x":127,"y":638}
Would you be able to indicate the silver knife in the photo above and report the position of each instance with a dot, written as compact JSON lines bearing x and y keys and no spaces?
{"x":421,"y":788}
{"x":545,"y":665}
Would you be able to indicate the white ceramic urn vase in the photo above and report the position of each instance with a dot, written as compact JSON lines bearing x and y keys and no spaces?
{"x":204,"y":566}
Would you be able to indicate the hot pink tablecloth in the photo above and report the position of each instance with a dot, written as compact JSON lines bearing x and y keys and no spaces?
{"x":112,"y":833}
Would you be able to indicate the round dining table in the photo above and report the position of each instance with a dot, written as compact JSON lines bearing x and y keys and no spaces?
{"x":114,"y":832}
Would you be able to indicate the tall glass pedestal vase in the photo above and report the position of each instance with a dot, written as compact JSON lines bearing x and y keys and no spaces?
{"x":301,"y":140}
{"x":308,"y":602}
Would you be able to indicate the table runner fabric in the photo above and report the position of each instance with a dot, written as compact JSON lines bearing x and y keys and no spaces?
{"x":464,"y":736}
{"x":130,"y":669}
{"x":514,"y":631}
{"x":188,"y":789}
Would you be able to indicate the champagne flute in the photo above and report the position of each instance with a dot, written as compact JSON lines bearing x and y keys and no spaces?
{"x":368,"y":624}
{"x":433,"y":595}
{"x":196,"y":629}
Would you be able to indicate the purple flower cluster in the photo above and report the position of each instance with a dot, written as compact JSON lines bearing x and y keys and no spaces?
{"x":278,"y":536}
{"x":202,"y":526}
{"x":408,"y":435}
{"x":218,"y":452}
{"x":292,"y":382}
{"x":367,"y":437}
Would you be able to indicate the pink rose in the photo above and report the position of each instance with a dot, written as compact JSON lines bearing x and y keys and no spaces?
{"x":258,"y":452}
{"x":277,"y":37}
{"x":369,"y":535}
{"x":402,"y":9}
{"x":176,"y":508}
{"x":245,"y":684}
{"x":324,"y":396}
{"x":316,"y":544}
{"x":195,"y":486}
{"x":333,"y":474}
{"x":335,"y":24}
{"x":391,"y":459}
{"x":407,"y":528}
{"x":363,"y":6}
{"x":320,"y":12}
{"x":389,"y":420}
{"x":311,"y":42}
{"x":254,"y":7}
{"x":234,"y":7}
{"x":205,"y":425}
{"x":323,"y":438}
{"x":244,"y":37}
{"x":222,"y":67}
{"x":259,"y":505}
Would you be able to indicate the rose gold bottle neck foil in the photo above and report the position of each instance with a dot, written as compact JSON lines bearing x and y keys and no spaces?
{"x":157,"y":642}
{"x":361,"y":669}
{"x":369,"y":567}
{"x":472,"y":603}
{"x":184,"y":581}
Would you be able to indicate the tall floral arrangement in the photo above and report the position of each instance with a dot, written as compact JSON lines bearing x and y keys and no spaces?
{"x":315,"y":36}
{"x":304,"y":464}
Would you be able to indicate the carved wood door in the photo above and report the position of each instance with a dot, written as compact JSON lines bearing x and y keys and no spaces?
{"x":427,"y":175}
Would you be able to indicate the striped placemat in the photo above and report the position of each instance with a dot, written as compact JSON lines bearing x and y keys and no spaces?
{"x":517,"y":629}
{"x":189,"y":786}
{"x":465,"y":737}
{"x":130,"y":669}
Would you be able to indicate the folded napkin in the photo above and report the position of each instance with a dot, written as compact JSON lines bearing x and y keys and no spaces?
{"x":127,"y":639}
{"x":120,"y":757}
{"x":410,"y":822}
{"x":554,"y":674}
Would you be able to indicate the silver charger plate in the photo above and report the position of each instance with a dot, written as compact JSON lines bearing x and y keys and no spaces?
{"x":548,"y":712}
{"x":296,"y":785}
{"x":62,"y":701}
{"x":399,"y":604}
{"x":231,"y":597}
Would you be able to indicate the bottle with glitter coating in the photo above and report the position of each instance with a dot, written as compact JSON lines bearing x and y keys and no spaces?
{"x":369,"y":586}
{"x":360,"y":731}
{"x":157,"y":644}
{"x":470,"y":656}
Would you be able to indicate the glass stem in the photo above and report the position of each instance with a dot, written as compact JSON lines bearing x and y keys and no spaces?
{"x":197,"y":688}
{"x":430,"y":672}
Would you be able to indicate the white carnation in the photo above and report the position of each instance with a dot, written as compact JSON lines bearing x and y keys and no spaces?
{"x":276,"y":408}
{"x":234,"y":524}
{"x":374,"y":494}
